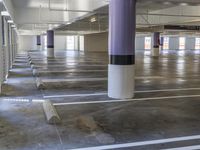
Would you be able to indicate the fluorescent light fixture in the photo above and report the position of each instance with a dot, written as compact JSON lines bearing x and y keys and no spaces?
{"x":167,"y":3}
{"x":93,"y":19}
{"x":10,"y":21}
{"x":56,"y":25}
{"x":5,"y":13}
{"x":184,"y":4}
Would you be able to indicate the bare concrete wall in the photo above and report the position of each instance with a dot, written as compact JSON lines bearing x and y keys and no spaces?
{"x":97,"y":42}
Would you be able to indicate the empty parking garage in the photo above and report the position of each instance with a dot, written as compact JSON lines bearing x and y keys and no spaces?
{"x":99,"y":75}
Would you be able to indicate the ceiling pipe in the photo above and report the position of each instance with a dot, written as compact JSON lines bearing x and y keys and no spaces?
{"x":156,"y":14}
{"x":168,"y":15}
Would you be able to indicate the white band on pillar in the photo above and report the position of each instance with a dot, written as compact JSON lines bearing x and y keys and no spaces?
{"x":50,"y":52}
{"x":121,"y":83}
{"x":155,"y":52}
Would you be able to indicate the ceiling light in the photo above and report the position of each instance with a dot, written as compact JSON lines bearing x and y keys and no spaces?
{"x":56,"y":25}
{"x":93,"y":19}
{"x":167,"y":3}
{"x":10,"y":21}
{"x":5,"y":13}
{"x":184,"y":4}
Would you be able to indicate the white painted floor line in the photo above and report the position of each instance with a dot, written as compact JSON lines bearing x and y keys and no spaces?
{"x":144,"y":143}
{"x":75,"y":95}
{"x":69,"y":65}
{"x":126,"y":100}
{"x":149,"y":77}
{"x":73,"y":80}
{"x":93,"y":79}
{"x":71,"y":71}
{"x":22,"y":100}
{"x":167,"y":90}
{"x":105,"y":93}
{"x":194,"y":147}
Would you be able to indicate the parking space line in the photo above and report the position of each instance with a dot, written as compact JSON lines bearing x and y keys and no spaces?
{"x":126,"y":100}
{"x":194,"y":147}
{"x":93,"y":79}
{"x":144,"y":143}
{"x":75,"y":95}
{"x":105,"y":93}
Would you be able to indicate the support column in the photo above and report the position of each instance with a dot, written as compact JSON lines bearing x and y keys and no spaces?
{"x":38,"y":42}
{"x":13,"y":45}
{"x":156,"y":42}
{"x":122,"y":24}
{"x":78,"y":42}
{"x":161,"y":43}
{"x":6,"y":48}
{"x":1,"y":54}
{"x":10,"y":45}
{"x":50,"y":43}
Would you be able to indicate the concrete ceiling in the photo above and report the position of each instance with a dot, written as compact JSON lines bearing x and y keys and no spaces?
{"x":36,"y":16}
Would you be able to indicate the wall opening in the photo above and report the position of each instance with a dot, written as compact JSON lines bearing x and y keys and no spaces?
{"x":181,"y":43}
{"x":45,"y":42}
{"x":147,"y":43}
{"x":197,"y":43}
{"x":166,"y":43}
{"x":81,"y":43}
{"x":70,"y":42}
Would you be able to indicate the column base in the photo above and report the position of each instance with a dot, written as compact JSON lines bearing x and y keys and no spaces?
{"x":50,"y":52}
{"x":155,"y":52}
{"x":121,"y":83}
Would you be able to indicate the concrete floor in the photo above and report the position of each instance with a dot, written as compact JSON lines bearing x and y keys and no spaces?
{"x":166,"y":103}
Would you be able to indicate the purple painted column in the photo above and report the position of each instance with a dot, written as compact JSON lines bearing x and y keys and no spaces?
{"x":161,"y":43}
{"x":156,"y":43}
{"x":122,"y":22}
{"x":50,"y":43}
{"x":38,"y":42}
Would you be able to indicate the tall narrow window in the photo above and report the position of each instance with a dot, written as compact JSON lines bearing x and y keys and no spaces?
{"x":70,"y":42}
{"x":81,"y":43}
{"x":166,"y":43}
{"x":197,"y":43}
{"x":181,"y":43}
{"x":45,"y":42}
{"x":147,"y":43}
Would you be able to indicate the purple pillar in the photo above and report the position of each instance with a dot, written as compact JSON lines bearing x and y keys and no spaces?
{"x":50,"y":43}
{"x":38,"y":40}
{"x":161,"y":41}
{"x":122,"y":22}
{"x":156,"y":43}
